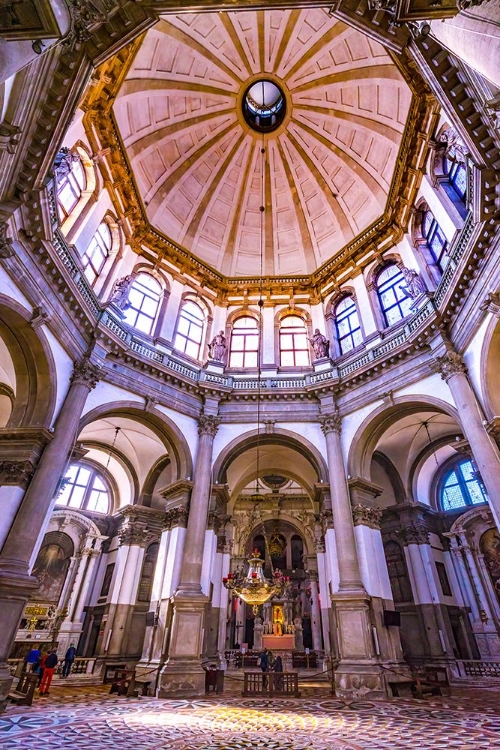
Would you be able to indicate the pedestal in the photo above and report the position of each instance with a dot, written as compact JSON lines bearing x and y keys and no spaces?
{"x":183,"y":673}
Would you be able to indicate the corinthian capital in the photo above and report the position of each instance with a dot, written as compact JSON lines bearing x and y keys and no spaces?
{"x":415,"y":533}
{"x":331,"y":423}
{"x":450,"y":364}
{"x":85,"y":373}
{"x":208,"y":425}
{"x":364,"y":516}
{"x":16,"y":472}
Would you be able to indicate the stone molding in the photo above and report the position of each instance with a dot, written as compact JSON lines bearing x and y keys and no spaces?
{"x":85,"y":373}
{"x":16,"y":473}
{"x":208,"y":425}
{"x":450,"y":364}
{"x":414,"y":533}
{"x":331,"y":423}
{"x":134,"y":533}
{"x":364,"y":516}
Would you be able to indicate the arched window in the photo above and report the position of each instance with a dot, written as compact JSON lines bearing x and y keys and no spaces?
{"x":244,"y":342}
{"x":436,"y":241}
{"x":347,"y":326}
{"x":395,"y":303}
{"x":94,"y":257}
{"x":457,"y":177}
{"x":84,"y":487}
{"x":189,"y":332}
{"x":294,"y":349}
{"x":460,"y":487}
{"x":143,"y":301}
{"x":71,"y":181}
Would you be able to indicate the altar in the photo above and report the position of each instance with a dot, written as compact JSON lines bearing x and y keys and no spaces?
{"x":279,"y":642}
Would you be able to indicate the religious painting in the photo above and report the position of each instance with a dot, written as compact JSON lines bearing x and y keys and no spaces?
{"x":108,"y":575}
{"x":50,"y":569}
{"x":489,"y":546}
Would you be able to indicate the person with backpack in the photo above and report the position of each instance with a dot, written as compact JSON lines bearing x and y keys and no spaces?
{"x":69,"y":658}
{"x":32,"y":659}
{"x":48,"y":672}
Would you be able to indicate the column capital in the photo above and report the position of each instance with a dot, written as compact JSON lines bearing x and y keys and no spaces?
{"x":176,"y":517}
{"x":450,"y":364}
{"x":364,"y":516}
{"x":133,"y":533}
{"x":414,"y":533}
{"x":16,"y":473}
{"x":208,"y":425}
{"x":331,"y":423}
{"x":85,"y":373}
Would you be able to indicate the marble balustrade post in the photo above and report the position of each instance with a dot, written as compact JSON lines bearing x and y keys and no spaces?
{"x":26,"y":531}
{"x":484,"y":449}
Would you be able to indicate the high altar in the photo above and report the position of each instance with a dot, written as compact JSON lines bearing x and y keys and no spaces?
{"x":279,"y":631}
{"x":279,"y":642}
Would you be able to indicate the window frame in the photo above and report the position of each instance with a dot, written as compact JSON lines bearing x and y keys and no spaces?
{"x":294,"y":332}
{"x":105,"y":250}
{"x":246,"y":352}
{"x":139,"y":310}
{"x":191,"y":324}
{"x":339,"y":318}
{"x":434,"y":231}
{"x":453,"y":467}
{"x":69,"y":180}
{"x":96,"y":473}
{"x":398,"y":303}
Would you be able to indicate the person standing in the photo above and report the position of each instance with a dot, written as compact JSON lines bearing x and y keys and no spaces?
{"x":69,"y":658}
{"x":50,"y":665}
{"x":264,"y":665}
{"x":32,"y":659}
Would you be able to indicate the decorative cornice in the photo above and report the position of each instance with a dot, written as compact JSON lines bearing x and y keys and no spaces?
{"x":208,"y":425}
{"x":331,"y":423}
{"x":16,"y":473}
{"x":449,"y":364}
{"x":85,"y":373}
{"x":414,"y":533}
{"x":363,"y":516}
{"x":86,"y":18}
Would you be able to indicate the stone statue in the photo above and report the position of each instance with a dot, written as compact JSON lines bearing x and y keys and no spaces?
{"x":121,"y":290}
{"x":414,"y":286}
{"x":320,"y":344}
{"x":455,"y":149}
{"x":217,"y":347}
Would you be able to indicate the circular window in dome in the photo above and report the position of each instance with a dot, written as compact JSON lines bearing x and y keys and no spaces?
{"x":264,"y":106}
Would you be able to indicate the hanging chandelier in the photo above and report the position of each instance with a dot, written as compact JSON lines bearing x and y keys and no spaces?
{"x":253,"y":587}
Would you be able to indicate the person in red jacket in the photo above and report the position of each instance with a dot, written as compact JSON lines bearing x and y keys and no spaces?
{"x":48,"y":672}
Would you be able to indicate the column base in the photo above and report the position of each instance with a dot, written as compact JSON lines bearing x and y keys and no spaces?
{"x":181,"y":678}
{"x":355,"y":680}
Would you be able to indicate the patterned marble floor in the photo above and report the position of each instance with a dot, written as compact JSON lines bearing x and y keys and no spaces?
{"x":90,"y":718}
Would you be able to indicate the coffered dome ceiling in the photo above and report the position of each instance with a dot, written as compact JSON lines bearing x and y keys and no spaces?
{"x":198,"y":163}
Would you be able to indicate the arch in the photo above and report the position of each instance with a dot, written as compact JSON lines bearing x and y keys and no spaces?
{"x":392,"y":473}
{"x":282,"y":437}
{"x":308,"y":542}
{"x":152,"y":478}
{"x":165,"y":429}
{"x":375,"y":424}
{"x":489,"y":364}
{"x":34,"y":366}
{"x":109,"y":451}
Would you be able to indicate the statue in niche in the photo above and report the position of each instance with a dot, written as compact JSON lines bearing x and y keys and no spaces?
{"x":320,"y":344}
{"x":455,"y":148}
{"x":217,"y":347}
{"x":121,"y":290}
{"x":414,"y":286}
{"x":490,"y":548}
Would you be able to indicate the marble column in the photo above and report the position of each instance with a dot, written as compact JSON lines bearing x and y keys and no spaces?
{"x":357,"y":672}
{"x":26,"y":532}
{"x":484,"y":449}
{"x":183,"y":673}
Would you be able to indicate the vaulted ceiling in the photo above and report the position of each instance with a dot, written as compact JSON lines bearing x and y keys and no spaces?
{"x":325,"y":175}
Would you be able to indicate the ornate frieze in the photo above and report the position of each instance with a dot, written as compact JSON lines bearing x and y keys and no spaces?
{"x":16,"y":473}
{"x":364,"y":516}
{"x":85,"y":373}
{"x":450,"y":364}
{"x":208,"y":425}
{"x":414,"y":533}
{"x":86,"y":17}
{"x":331,"y":423}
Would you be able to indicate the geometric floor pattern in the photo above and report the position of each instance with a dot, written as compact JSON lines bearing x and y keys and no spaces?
{"x":90,"y":718}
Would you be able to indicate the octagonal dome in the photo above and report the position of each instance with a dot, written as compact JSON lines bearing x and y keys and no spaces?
{"x":199,"y":165}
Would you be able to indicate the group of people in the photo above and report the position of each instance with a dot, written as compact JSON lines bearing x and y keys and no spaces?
{"x":45,"y":665}
{"x":268,"y":662}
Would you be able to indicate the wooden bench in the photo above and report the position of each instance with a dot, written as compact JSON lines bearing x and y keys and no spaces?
{"x":122,"y":681}
{"x":432,"y":682}
{"x":280,"y":684}
{"x":137,"y":687}
{"x":24,"y":691}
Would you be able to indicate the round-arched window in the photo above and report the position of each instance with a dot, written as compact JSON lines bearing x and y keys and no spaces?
{"x":83,"y":486}
{"x":71,"y":180}
{"x":395,"y":303}
{"x":143,"y":303}
{"x":189,"y":332}
{"x":94,"y":257}
{"x":244,"y":342}
{"x":347,"y":326}
{"x":294,"y":349}
{"x":461,"y":488}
